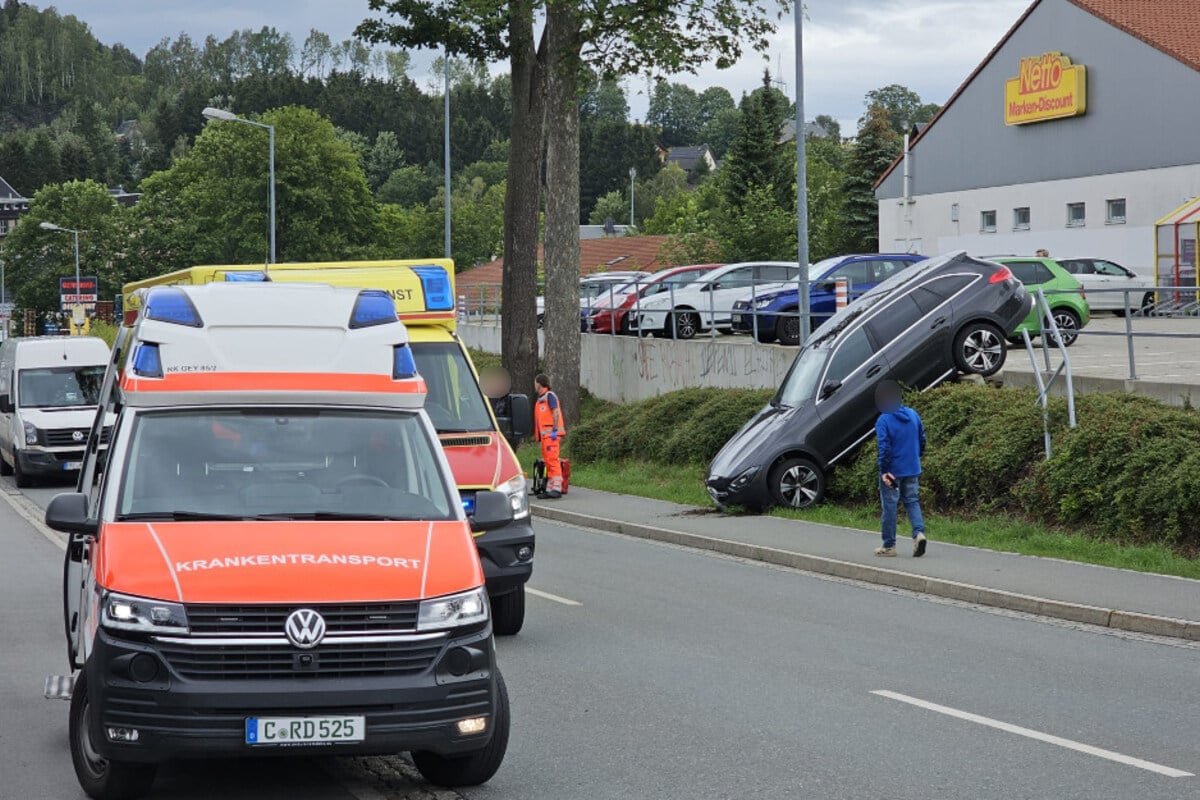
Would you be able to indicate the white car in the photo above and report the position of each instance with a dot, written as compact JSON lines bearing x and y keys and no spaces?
{"x":1099,"y":273}
{"x":708,"y":302}
{"x":592,"y":287}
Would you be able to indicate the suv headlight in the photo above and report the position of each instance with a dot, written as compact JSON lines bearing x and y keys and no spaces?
{"x":763,"y":302}
{"x":518,"y":496}
{"x":453,"y":611}
{"x":122,"y":612}
{"x":31,"y":433}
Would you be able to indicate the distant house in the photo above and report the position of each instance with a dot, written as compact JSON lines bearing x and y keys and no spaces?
{"x":595,"y":255}
{"x":812,"y":130}
{"x":12,"y":206}
{"x":687,"y":158}
{"x":127,"y":199}
{"x":127,"y":129}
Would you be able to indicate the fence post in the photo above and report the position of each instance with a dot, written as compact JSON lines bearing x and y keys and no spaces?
{"x":1129,"y":336}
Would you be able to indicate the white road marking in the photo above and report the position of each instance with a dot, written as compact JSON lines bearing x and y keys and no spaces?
{"x":1150,"y":766}
{"x":547,"y":596}
{"x":15,"y":500}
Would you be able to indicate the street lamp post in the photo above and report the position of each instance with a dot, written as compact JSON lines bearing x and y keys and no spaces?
{"x":229,"y":116}
{"x":50,"y":226}
{"x":632,"y":176}
{"x":801,"y":180}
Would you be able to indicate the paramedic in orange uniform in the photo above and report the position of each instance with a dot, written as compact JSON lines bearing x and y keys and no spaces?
{"x":548,"y":426}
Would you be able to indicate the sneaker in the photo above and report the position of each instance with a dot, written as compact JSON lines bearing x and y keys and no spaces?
{"x":919,"y":545}
{"x":889,"y":552}
{"x":553,"y":494}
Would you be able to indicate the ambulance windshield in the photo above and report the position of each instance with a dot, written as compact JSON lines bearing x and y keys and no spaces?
{"x":283,"y":464}
{"x":454,"y":402}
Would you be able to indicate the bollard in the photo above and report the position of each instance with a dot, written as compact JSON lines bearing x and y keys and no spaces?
{"x":841,"y":293}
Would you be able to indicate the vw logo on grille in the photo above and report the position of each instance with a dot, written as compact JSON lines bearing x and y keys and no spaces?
{"x":305,"y":628}
{"x":77,"y":436}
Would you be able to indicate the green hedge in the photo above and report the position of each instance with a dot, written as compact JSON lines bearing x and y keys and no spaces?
{"x":1128,"y":471}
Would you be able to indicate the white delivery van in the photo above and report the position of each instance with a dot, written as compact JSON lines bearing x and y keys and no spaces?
{"x":49,"y":387}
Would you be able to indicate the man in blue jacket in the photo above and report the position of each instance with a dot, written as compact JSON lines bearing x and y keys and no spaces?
{"x":901,"y":439}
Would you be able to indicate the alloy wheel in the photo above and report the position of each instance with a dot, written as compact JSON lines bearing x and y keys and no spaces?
{"x":799,"y":486}
{"x":982,"y":350}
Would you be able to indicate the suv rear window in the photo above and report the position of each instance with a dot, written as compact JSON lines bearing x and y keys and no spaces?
{"x":1030,"y":273}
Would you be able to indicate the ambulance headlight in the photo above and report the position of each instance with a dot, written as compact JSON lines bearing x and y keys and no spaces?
{"x":453,"y":611}
{"x":126,"y":613}
{"x":518,"y":496}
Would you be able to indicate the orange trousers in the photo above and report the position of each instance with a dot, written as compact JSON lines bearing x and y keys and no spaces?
{"x":550,"y":451}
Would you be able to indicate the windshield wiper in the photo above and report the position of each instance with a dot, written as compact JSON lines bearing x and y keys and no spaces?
{"x":455,"y":430}
{"x":178,"y":516}
{"x":332,"y":515}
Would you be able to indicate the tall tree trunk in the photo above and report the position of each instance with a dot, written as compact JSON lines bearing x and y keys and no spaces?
{"x":518,"y":309}
{"x":562,"y":203}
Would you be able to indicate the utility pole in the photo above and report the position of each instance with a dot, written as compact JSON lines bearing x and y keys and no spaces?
{"x":801,"y":180}
{"x":446,"y":152}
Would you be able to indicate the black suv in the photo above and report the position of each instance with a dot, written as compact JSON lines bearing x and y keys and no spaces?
{"x":947,"y":315}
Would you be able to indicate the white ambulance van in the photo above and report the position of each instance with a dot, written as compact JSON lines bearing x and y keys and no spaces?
{"x":49,"y":386}
{"x":273,"y":558}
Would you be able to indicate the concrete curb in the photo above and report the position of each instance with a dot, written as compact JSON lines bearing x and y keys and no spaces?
{"x":1092,"y":615}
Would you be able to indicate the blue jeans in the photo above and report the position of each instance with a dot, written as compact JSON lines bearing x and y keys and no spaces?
{"x":905,"y":492}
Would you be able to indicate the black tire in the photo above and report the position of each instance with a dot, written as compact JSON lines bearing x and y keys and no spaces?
{"x":796,"y":483}
{"x":766,"y":335}
{"x":683,"y":325}
{"x":100,"y":778}
{"x":787,"y":328}
{"x":726,"y":331}
{"x":20,"y":477}
{"x":1147,"y":307}
{"x":1068,"y":323}
{"x":623,"y":328}
{"x":508,"y":612}
{"x":980,"y":349}
{"x":5,"y":467}
{"x":475,"y":768}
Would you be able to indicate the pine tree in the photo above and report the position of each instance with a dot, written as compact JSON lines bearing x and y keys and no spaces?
{"x":874,"y":151}
{"x":755,"y":158}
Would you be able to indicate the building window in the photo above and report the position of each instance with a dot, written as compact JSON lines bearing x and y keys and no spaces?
{"x":987,"y":221}
{"x":1114,"y":211}
{"x":1076,"y":215}
{"x":1021,"y":219}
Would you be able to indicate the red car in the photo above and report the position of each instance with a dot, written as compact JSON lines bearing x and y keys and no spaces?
{"x":610,"y":312}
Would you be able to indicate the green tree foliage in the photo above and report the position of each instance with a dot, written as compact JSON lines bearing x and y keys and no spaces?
{"x":755,"y":157}
{"x":211,"y":205}
{"x":411,"y":185}
{"x":903,"y":107}
{"x":37,"y":258}
{"x":675,"y":111}
{"x":875,"y":149}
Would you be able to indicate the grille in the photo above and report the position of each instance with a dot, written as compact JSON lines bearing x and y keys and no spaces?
{"x":258,"y":620}
{"x":236,"y":662}
{"x":65,"y":437}
{"x":466,"y":441}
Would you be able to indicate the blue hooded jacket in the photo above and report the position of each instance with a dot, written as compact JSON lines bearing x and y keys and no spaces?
{"x":901,"y":439}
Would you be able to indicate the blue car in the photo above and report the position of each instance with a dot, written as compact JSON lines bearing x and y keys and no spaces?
{"x":775,"y":314}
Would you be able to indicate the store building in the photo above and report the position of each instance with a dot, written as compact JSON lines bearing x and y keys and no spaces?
{"x":1079,"y":131}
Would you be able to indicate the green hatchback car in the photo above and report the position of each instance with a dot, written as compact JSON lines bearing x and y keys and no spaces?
{"x":1069,"y":310}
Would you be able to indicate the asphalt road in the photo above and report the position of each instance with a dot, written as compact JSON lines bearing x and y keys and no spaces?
{"x":673,"y":674}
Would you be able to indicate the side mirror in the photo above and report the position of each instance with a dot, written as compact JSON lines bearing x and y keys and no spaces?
{"x":829,"y":388}
{"x":492,"y":510}
{"x":828,"y":286}
{"x":68,"y":513}
{"x":520,"y":423}
{"x":6,"y":406}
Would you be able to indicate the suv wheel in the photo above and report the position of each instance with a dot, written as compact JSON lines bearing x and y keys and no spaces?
{"x":787,"y":328}
{"x":100,"y":778}
{"x":1068,"y":323}
{"x":686,"y":324}
{"x":508,"y":612}
{"x":473,"y":768}
{"x":797,"y":483}
{"x":979,"y":349}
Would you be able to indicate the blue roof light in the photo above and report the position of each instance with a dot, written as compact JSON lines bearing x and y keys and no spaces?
{"x":373,"y":307}
{"x":436,"y":284}
{"x":146,"y":361}
{"x":171,"y":304}
{"x":246,"y":277}
{"x":403,"y":365}
{"x":468,"y":504}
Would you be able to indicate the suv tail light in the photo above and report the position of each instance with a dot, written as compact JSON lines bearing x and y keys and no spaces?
{"x":1000,"y":275}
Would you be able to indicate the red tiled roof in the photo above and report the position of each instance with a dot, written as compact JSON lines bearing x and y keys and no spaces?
{"x":1171,"y":26}
{"x":619,"y":253}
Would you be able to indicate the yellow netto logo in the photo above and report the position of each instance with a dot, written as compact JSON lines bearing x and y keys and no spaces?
{"x":1047,"y":87}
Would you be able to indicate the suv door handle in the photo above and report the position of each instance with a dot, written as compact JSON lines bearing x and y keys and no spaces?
{"x":937,"y":323}
{"x":873,"y":371}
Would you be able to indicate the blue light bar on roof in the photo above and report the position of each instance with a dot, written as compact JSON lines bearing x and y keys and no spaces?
{"x":171,"y":304}
{"x":373,"y":307}
{"x":246,"y":277}
{"x":436,"y":285}
{"x":146,"y":361}
{"x":403,"y":365}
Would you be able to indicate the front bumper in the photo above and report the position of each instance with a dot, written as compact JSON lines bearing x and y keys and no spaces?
{"x":648,"y":321}
{"x":753,"y":494}
{"x":176,"y":717}
{"x":499,"y":553}
{"x":49,"y":462}
{"x":743,"y":320}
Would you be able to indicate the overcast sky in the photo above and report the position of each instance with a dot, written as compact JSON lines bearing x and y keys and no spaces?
{"x":850,"y":46}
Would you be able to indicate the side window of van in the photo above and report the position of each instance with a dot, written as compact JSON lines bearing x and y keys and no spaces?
{"x":850,"y":355}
